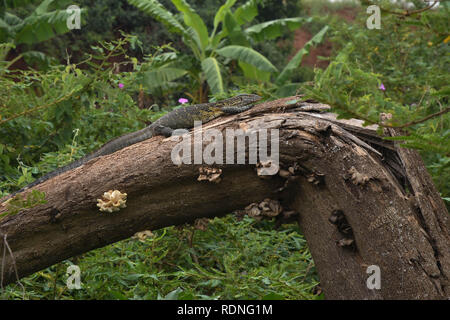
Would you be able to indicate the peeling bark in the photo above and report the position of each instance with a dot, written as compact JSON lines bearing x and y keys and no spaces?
{"x":360,"y":201}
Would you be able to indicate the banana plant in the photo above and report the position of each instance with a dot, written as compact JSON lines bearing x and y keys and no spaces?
{"x":282,"y":81}
{"x":41,"y":25}
{"x":159,"y":71}
{"x":228,"y":41}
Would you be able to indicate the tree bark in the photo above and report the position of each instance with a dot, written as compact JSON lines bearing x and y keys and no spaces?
{"x":360,"y":201}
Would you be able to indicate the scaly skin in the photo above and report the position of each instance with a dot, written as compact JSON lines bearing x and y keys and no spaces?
{"x":181,"y":118}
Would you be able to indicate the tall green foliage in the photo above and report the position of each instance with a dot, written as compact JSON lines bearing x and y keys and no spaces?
{"x":228,"y":41}
{"x":401,"y":69}
{"x":42,"y":112}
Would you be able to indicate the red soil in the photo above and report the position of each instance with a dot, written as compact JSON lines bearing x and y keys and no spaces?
{"x":302,"y":36}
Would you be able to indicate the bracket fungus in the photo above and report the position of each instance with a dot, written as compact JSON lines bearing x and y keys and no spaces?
{"x":112,"y":201}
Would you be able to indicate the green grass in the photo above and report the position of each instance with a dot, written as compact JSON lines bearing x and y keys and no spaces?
{"x":231,"y":259}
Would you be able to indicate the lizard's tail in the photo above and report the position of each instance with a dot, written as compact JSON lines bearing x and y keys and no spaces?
{"x":54,"y":173}
{"x":107,"y":148}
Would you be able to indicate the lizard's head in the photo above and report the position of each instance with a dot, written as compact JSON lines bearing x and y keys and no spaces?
{"x":248,"y":98}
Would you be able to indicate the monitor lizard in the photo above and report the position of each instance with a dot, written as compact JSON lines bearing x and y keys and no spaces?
{"x":181,"y":118}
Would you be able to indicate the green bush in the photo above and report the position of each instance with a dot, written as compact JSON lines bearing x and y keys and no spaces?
{"x":41,"y":111}
{"x":401,"y":69}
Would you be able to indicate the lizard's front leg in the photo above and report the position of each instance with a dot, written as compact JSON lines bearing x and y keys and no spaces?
{"x":162,"y":131}
{"x":236,"y":109}
{"x":168,"y":132}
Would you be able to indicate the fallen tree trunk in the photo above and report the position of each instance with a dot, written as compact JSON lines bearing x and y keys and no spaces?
{"x":359,"y":200}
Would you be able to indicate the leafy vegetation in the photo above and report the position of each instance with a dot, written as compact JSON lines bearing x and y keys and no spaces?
{"x":401,"y":69}
{"x":211,"y":51}
{"x":230,"y":260}
{"x":41,"y":25}
{"x":43,"y":110}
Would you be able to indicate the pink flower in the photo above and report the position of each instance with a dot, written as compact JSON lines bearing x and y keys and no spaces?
{"x":183,"y":100}
{"x":121,"y":85}
{"x":381,"y":87}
